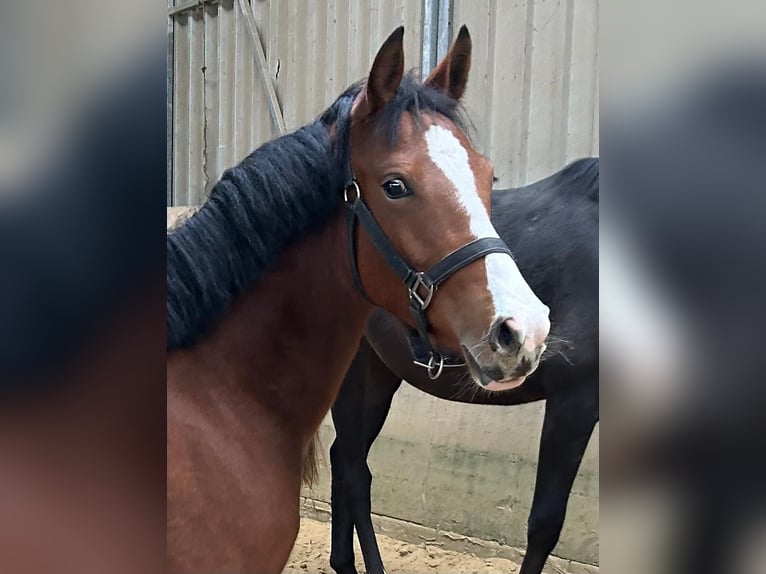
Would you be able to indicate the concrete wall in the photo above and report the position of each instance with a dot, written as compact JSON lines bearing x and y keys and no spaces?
{"x":470,"y":470}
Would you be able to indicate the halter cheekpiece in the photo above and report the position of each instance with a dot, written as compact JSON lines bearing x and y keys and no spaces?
{"x":421,"y":285}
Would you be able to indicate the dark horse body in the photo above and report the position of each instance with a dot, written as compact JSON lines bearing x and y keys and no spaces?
{"x":552,"y":228}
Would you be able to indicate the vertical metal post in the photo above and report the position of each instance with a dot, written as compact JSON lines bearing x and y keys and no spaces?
{"x":444,"y":29}
{"x":430,"y":31}
{"x":436,"y":32}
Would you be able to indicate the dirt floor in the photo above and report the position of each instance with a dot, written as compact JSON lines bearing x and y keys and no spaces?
{"x":312,"y":555}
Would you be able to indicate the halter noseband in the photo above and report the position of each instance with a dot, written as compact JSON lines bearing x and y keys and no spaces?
{"x":421,"y":285}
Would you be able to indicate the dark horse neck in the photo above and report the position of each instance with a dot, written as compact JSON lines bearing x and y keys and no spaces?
{"x":286,"y":343}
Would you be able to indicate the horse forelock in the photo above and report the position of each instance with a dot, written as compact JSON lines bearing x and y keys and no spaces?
{"x":412,"y":97}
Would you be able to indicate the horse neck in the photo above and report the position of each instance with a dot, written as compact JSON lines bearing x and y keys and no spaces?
{"x":288,"y":342}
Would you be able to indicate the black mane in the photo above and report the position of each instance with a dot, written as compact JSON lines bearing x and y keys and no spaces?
{"x":282,"y":191}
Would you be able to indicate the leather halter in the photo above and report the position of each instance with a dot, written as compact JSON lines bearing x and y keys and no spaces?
{"x":421,"y":285}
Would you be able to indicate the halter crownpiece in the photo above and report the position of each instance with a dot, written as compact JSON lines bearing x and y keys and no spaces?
{"x":421,"y":285}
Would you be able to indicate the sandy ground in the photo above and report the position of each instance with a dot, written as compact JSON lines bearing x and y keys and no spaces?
{"x":312,"y":555}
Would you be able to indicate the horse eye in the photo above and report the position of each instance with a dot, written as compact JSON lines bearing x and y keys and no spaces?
{"x":396,"y":189}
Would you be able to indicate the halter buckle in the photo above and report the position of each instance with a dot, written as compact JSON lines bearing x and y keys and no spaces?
{"x":357,"y":194}
{"x":433,"y":365}
{"x":425,"y":301}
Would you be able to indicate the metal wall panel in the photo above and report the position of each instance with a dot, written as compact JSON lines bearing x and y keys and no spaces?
{"x":314,"y":50}
{"x":533,"y":88}
{"x":532,"y":95}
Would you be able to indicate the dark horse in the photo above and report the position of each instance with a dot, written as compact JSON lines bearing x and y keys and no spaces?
{"x":271,"y":283}
{"x":552,"y":228}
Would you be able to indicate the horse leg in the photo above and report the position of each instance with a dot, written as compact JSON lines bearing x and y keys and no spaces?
{"x":567,"y":428}
{"x":359,"y":413}
{"x":348,"y":420}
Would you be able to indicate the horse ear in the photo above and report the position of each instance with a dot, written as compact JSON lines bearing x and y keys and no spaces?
{"x":385,"y":76}
{"x":451,"y":74}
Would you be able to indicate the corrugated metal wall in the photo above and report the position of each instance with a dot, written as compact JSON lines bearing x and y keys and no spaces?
{"x":314,"y":51}
{"x":533,"y":89}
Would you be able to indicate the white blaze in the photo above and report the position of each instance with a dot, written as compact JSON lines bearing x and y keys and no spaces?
{"x":511,"y":296}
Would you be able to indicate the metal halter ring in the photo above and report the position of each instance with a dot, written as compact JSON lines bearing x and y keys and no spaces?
{"x":357,"y":193}
{"x":432,"y":364}
{"x":424,"y":302}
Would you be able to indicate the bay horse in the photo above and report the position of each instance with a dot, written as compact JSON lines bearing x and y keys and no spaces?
{"x":271,"y":283}
{"x":552,"y":228}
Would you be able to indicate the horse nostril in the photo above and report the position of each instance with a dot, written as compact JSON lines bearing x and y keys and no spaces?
{"x":507,"y":335}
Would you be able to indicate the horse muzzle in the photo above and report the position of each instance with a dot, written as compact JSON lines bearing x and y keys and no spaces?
{"x":502,"y":370}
